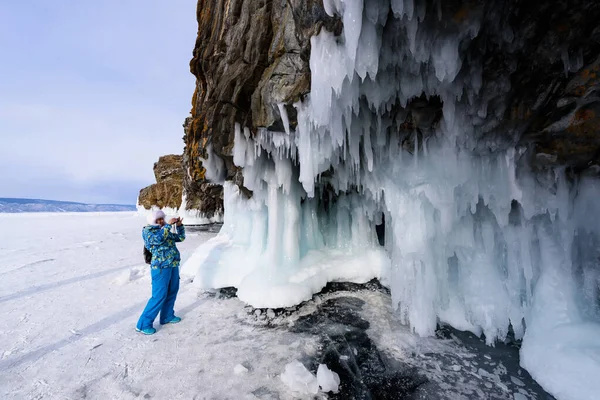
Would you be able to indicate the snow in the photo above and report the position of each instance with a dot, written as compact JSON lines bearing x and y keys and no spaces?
{"x":72,"y":288}
{"x":329,"y":381}
{"x":299,"y":380}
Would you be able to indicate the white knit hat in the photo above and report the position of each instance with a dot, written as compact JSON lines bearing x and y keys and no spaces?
{"x":154,"y":216}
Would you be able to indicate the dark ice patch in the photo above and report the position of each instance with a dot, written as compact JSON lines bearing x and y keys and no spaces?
{"x":365,"y":371}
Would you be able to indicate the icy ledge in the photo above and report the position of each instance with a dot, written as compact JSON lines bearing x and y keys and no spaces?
{"x":230,"y":259}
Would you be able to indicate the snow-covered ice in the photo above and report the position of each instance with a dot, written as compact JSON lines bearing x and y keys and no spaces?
{"x":72,"y":287}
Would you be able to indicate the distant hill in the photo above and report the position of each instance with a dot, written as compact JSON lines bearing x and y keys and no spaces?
{"x":10,"y":205}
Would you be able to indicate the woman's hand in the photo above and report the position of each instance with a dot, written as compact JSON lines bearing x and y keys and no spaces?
{"x":179,"y":221}
{"x":173,"y":221}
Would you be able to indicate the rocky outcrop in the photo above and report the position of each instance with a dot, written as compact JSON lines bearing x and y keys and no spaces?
{"x":169,"y":169}
{"x":168,"y":189}
{"x":201,"y":195}
{"x":203,"y":200}
{"x":251,"y":56}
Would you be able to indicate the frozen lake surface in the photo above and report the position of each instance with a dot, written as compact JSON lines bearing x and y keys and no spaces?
{"x":73,"y":285}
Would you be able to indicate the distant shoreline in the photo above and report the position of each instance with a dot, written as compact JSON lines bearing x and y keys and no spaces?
{"x":22,"y":205}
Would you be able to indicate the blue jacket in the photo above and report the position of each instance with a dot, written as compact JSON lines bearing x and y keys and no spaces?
{"x":161,"y":243}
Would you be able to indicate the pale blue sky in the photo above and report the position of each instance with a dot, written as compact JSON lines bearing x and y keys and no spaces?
{"x":91,"y":94}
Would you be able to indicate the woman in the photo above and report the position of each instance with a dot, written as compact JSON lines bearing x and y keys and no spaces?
{"x":159,"y":239}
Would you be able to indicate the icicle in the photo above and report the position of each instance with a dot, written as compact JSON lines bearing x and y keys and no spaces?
{"x":239,"y":147}
{"x":416,"y":151}
{"x":284,"y":117}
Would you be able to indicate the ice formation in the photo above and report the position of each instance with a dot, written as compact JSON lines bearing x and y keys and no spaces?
{"x":473,"y":238}
{"x":299,"y":380}
{"x":329,"y":381}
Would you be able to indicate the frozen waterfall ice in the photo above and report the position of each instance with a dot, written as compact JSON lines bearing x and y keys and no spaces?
{"x":473,"y":237}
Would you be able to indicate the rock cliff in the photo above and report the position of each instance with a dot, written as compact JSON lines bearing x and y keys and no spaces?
{"x":168,"y":189}
{"x":251,"y":56}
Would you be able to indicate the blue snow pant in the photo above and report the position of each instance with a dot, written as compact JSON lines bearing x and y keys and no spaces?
{"x":165,"y":285}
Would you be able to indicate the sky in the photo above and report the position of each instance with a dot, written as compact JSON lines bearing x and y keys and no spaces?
{"x":91,"y":94}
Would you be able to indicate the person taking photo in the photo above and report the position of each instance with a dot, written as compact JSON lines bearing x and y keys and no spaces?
{"x":159,"y":239}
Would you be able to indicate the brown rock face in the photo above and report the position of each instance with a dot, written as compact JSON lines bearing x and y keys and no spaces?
{"x":169,"y":169}
{"x":570,"y":131}
{"x":167,"y":190}
{"x":161,"y":195}
{"x":251,"y":55}
{"x":202,"y":196}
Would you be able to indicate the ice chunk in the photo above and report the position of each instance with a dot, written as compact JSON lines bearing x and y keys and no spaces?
{"x":329,"y":381}
{"x":299,"y":380}
{"x":239,"y":369}
{"x":517,"y":381}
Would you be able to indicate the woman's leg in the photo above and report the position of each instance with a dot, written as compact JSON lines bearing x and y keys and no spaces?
{"x":160,"y":287}
{"x":167,"y":313}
